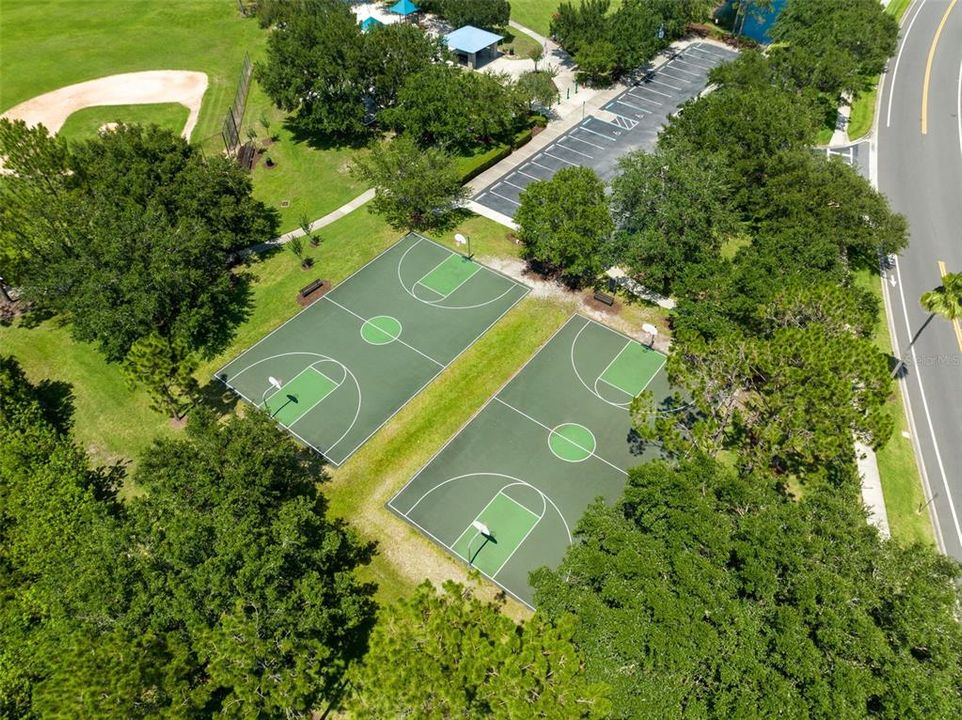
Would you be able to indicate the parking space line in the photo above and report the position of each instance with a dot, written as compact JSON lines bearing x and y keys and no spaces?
{"x":625,"y":102}
{"x":508,"y":182}
{"x":522,"y":172}
{"x":544,"y":167}
{"x":674,"y":77}
{"x":576,"y":152}
{"x":678,"y":69}
{"x":642,"y":98}
{"x":609,"y":139}
{"x":575,"y":137}
{"x":669,"y":85}
{"x":689,"y":62}
{"x":513,"y":202}
{"x":567,"y":162}
{"x":616,"y":132}
{"x":657,"y":92}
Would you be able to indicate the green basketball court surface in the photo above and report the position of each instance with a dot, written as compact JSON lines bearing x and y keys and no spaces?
{"x":552,"y":440}
{"x":348,"y":362}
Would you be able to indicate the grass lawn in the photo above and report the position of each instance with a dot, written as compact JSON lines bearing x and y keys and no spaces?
{"x":901,"y":482}
{"x":313,"y":181}
{"x":86,"y":123}
{"x":48,"y":44}
{"x":536,"y":14}
{"x":518,"y":42}
{"x":112,"y":421}
{"x":863,"y":107}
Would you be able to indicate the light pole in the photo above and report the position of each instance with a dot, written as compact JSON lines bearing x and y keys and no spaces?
{"x":272,"y":382}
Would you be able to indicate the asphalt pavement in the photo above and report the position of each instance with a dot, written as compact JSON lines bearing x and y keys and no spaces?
{"x":628,"y":122}
{"x":919,"y":167}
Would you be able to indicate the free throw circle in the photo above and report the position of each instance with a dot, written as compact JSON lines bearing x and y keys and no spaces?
{"x":381,"y":330}
{"x":571,"y":442}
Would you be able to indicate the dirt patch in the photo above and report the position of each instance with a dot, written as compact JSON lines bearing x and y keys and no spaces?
{"x":589,"y":300}
{"x":305,"y":300}
{"x":138,"y":88}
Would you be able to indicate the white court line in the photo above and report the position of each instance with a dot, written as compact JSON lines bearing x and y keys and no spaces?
{"x":602,"y":135}
{"x":538,"y":422}
{"x":326,"y":395}
{"x":530,"y":530}
{"x":477,"y":269}
{"x":612,"y":361}
{"x":576,"y":152}
{"x":364,"y":320}
{"x":306,"y":309}
{"x":515,"y":202}
{"x":568,"y":162}
{"x":644,"y":387}
{"x":575,"y":137}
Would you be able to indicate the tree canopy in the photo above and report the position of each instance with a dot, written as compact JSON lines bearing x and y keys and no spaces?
{"x":414,"y":188}
{"x":128,"y":234}
{"x":709,"y":593}
{"x":222,"y":588}
{"x":444,"y":655}
{"x":565,"y":225}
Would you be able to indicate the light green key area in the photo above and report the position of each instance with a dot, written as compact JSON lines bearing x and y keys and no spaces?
{"x":633,"y":369}
{"x":509,"y":523}
{"x":298,"y":396}
{"x":450,"y":275}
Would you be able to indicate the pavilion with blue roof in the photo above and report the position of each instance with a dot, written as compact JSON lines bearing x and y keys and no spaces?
{"x":404,"y":8}
{"x":370,"y":23}
{"x":471,"y":44}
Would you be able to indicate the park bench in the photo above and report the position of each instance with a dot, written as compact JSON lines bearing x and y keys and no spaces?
{"x":605,"y":298}
{"x":307,"y":290}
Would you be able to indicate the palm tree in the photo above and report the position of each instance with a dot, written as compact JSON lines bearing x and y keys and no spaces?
{"x":945,"y":300}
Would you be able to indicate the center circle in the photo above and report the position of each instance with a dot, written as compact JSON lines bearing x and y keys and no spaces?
{"x":381,"y":330}
{"x":571,"y":442}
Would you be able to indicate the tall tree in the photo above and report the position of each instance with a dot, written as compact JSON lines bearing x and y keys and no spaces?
{"x":134,"y":237}
{"x":489,"y":14}
{"x":166,"y":369}
{"x":316,"y":68}
{"x":673,"y":210}
{"x":833,"y":47}
{"x":394,"y":53}
{"x":414,"y":188}
{"x":565,"y":225}
{"x":709,"y":593}
{"x":441,"y":655}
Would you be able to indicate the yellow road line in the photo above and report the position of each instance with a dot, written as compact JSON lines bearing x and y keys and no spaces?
{"x":928,"y":68}
{"x":955,"y":323}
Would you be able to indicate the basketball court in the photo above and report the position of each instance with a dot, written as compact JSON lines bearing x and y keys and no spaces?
{"x":337,"y":371}
{"x":506,"y":493}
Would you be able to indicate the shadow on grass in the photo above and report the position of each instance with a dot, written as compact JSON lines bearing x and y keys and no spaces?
{"x":301,"y":134}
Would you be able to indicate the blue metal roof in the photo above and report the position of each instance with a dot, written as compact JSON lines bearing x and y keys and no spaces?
{"x":470,"y":39}
{"x":403,"y":7}
{"x":371,"y":22}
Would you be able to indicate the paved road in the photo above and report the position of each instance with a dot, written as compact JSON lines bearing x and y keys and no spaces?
{"x":636,"y":116}
{"x":922,"y":176}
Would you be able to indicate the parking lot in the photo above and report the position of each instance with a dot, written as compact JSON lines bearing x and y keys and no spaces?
{"x":636,"y":117}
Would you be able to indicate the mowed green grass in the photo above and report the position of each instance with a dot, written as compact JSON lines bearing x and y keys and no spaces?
{"x":536,"y":14}
{"x":86,"y":123}
{"x":47,"y":44}
{"x":901,"y":483}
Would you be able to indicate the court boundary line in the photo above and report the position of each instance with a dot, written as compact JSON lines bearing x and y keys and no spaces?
{"x":303,"y":310}
{"x":645,"y":387}
{"x":526,"y":290}
{"x":309,"y":444}
{"x":501,"y":491}
{"x":326,"y":395}
{"x":478,"y":268}
{"x":591,"y":453}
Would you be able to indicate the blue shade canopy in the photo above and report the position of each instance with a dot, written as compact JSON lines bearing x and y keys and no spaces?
{"x":404,"y":7}
{"x":369,"y":23}
{"x":470,"y":39}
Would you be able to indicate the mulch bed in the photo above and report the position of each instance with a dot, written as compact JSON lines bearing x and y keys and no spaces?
{"x":590,"y":301}
{"x":316,"y":295}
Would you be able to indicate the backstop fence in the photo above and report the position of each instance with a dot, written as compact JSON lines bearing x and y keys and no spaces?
{"x":235,"y":115}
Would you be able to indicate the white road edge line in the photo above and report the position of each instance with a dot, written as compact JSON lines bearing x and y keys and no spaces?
{"x":895,"y":70}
